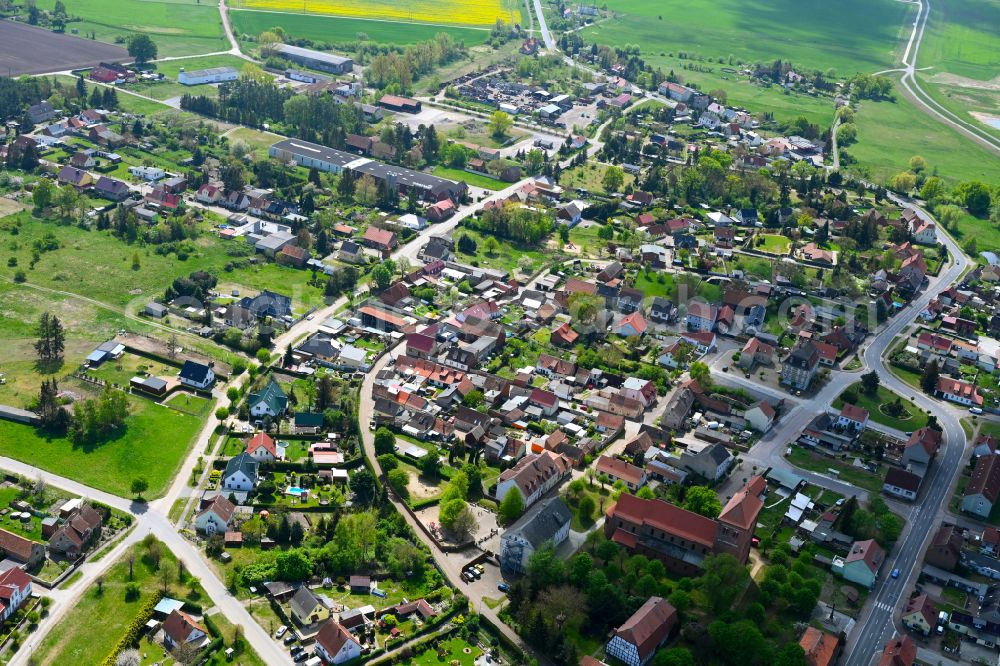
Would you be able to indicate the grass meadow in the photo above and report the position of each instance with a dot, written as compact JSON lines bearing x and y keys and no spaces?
{"x":889,"y":133}
{"x":152,"y":446}
{"x":179,"y":27}
{"x":79,"y":639}
{"x":337,"y":30}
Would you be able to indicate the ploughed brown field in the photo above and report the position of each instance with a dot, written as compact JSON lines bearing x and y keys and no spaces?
{"x":25,"y":49}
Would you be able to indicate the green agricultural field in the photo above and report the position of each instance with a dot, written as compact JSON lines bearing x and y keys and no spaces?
{"x":890,"y":133}
{"x":178,"y":27}
{"x":258,"y":140}
{"x":152,"y":445}
{"x":342,"y":31}
{"x":77,"y":639}
{"x":851,"y":36}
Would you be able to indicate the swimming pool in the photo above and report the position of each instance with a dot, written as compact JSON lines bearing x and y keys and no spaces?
{"x":294,"y":490}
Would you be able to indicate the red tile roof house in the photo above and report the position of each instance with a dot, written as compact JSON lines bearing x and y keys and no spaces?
{"x":615,"y":469}
{"x":547,"y":401}
{"x":180,"y":629}
{"x":852,"y":416}
{"x":679,"y":538}
{"x":899,"y":651}
{"x":861,"y":565}
{"x":533,"y":475}
{"x":262,"y":447}
{"x":936,"y":343}
{"x":79,"y":530}
{"x":631,"y":325}
{"x":564,"y":336}
{"x":15,"y":589}
{"x":956,"y":391}
{"x":945,"y":549}
{"x":984,"y":487}
{"x":441,"y":211}
{"x":922,"y":446}
{"x":756,"y":353}
{"x":380,"y":239}
{"x":642,"y":390}
{"x":25,"y":552}
{"x":636,"y":641}
{"x":335,"y":644}
{"x":820,"y":647}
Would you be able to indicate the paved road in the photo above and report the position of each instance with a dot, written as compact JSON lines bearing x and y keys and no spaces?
{"x":543,"y":26}
{"x":876,"y":624}
{"x":924,"y":101}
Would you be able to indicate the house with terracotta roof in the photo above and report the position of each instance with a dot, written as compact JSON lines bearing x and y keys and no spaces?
{"x":637,"y":639}
{"x":989,"y":541}
{"x":961,"y":392}
{"x":701,"y":316}
{"x":682,"y":539}
{"x":983,"y":488}
{"x":615,"y":469}
{"x":821,"y":648}
{"x":703,"y":341}
{"x":25,"y":552}
{"x":756,"y":352}
{"x":563,"y":335}
{"x":263,"y":448}
{"x":922,"y":446}
{"x":181,"y":629}
{"x":642,"y":390}
{"x":852,"y":416}
{"x":631,"y":325}
{"x":899,"y":651}
{"x":814,"y":253}
{"x":381,"y":239}
{"x":335,"y":644}
{"x":827,"y":353}
{"x":80,"y":529}
{"x":215,"y":516}
{"x":861,"y":564}
{"x":15,"y":589}
{"x":760,"y":416}
{"x":533,"y":475}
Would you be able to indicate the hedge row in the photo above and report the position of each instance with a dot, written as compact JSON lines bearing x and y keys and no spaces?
{"x":131,"y":634}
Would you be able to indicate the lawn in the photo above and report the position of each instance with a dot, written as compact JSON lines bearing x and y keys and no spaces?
{"x":343,"y":31}
{"x":773,"y":243}
{"x":589,"y":176}
{"x":120,"y":371}
{"x":654,"y":283}
{"x":258,"y":140}
{"x":454,"y":653}
{"x":473,"y":179}
{"x":152,"y":445}
{"x":915,"y":419}
{"x":178,"y":27}
{"x":814,"y":462}
{"x":508,"y":257}
{"x":78,"y":639}
{"x":171,"y":88}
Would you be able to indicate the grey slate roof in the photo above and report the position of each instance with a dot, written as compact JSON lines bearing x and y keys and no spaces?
{"x":543,"y":525}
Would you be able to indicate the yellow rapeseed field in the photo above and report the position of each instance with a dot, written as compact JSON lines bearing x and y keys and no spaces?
{"x":458,"y":12}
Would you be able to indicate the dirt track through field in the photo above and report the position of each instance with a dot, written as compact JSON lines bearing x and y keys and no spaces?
{"x":25,"y":49}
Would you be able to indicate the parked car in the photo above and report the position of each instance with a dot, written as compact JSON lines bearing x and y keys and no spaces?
{"x":503,"y":587}
{"x":281,"y":631}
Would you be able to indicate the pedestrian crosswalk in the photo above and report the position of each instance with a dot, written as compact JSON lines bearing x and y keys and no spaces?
{"x":882,"y":606}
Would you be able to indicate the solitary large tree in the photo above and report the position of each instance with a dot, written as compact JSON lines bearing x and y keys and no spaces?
{"x":141,"y":48}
